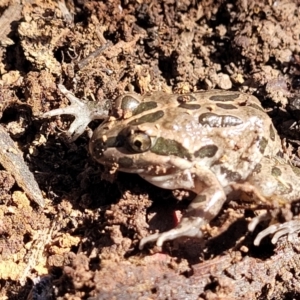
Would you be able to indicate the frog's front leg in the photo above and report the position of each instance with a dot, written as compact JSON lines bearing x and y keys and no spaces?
{"x":201,"y":211}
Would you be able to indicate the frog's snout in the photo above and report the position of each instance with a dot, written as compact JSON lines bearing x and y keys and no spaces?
{"x":97,"y":147}
{"x":100,"y":144}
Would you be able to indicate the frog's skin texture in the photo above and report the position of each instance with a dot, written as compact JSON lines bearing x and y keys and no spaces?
{"x":214,"y":143}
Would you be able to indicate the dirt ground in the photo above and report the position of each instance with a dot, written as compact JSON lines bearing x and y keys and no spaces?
{"x":83,"y":244}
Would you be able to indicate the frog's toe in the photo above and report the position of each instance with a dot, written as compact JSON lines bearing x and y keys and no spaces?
{"x":59,"y":111}
{"x":77,"y":128}
{"x":84,"y":113}
{"x":288,"y":228}
{"x":258,"y":219}
{"x":187,"y":228}
{"x":177,"y":233}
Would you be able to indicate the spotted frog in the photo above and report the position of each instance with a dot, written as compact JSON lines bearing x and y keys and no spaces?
{"x":218,"y":144}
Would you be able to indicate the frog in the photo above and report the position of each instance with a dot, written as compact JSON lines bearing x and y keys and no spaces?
{"x":217,"y":144}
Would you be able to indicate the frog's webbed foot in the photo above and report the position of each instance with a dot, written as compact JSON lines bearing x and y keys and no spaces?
{"x":83,"y":111}
{"x":288,"y":228}
{"x":188,"y":227}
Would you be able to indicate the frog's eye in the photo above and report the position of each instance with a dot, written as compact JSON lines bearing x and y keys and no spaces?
{"x":127,"y":103}
{"x":139,"y":142}
{"x":133,"y":105}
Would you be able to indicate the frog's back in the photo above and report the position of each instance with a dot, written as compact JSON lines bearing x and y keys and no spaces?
{"x":215,"y":114}
{"x":228,"y":132}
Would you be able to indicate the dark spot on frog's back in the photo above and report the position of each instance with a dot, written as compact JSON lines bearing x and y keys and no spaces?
{"x":226,"y":106}
{"x":224,"y":98}
{"x":215,"y":120}
{"x":276,"y":172}
{"x":170,"y":147}
{"x":144,"y":107}
{"x":231,"y":175}
{"x":257,"y":168}
{"x":125,"y":162}
{"x":272,"y":133}
{"x":190,"y":106}
{"x":199,"y":199}
{"x":206,"y":151}
{"x":263,"y":145}
{"x":186,"y":98}
{"x":280,"y":154}
{"x":296,"y":170}
{"x":150,"y":118}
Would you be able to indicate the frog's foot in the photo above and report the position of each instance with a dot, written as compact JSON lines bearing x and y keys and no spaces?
{"x":84,"y":113}
{"x":288,"y":228}
{"x":188,"y":227}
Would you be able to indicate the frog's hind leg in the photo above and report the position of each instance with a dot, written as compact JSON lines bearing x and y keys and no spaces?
{"x":275,"y":182}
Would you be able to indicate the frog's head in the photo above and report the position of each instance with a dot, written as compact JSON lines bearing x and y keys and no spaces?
{"x":135,"y":142}
{"x":137,"y":149}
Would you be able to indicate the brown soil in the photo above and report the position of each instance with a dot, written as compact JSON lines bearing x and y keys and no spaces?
{"x":84,"y":242}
